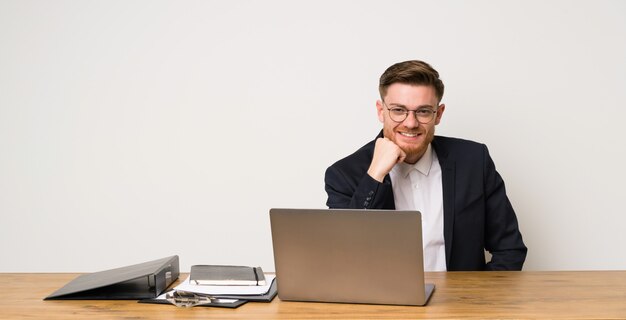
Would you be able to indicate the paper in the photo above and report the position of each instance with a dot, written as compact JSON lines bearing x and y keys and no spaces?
{"x":227,"y":290}
{"x":163,"y":296}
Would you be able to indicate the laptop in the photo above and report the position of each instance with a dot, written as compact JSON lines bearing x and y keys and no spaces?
{"x":349,"y":256}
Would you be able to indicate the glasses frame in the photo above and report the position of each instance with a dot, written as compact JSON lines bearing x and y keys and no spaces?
{"x":407,"y":111}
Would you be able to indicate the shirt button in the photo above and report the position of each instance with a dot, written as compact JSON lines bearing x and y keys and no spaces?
{"x":371,"y":192}
{"x":368,"y":198}
{"x":365,"y":203}
{"x":415,"y":186}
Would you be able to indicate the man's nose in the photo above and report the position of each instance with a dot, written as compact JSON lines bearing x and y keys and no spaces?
{"x":411,"y":121}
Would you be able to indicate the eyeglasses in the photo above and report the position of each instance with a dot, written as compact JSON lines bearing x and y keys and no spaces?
{"x":423,"y":115}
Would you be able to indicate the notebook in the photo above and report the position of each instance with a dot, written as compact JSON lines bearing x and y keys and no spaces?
{"x":221,"y":275}
{"x":349,"y":256}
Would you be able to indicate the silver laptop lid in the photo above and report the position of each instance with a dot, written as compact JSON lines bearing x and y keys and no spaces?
{"x":354,"y":256}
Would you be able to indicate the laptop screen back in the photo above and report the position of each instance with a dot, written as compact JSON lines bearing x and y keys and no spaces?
{"x":354,"y":256}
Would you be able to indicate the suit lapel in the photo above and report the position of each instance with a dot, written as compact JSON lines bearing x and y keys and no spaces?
{"x":448,"y":173}
{"x":391,"y":202}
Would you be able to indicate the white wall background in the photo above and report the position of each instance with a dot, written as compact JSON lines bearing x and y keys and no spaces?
{"x":134,"y":130}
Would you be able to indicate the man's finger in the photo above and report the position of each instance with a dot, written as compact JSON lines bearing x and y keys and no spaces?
{"x":402,"y":155}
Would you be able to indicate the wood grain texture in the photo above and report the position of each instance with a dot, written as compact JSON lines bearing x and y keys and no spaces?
{"x":481,"y":295}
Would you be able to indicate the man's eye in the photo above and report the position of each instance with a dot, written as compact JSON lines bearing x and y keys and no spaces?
{"x":424,"y":112}
{"x":398,"y":110}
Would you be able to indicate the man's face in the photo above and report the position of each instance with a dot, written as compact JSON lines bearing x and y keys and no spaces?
{"x":410,"y":135}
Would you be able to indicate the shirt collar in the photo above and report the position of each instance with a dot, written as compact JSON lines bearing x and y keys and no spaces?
{"x":422,"y":165}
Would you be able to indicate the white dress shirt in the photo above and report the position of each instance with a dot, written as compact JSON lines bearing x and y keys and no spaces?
{"x":418,"y":187}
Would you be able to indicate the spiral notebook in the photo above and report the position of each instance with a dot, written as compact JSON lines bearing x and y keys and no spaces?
{"x":222,"y":275}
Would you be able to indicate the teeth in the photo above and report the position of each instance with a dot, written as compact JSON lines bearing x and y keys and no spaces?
{"x":406,"y":134}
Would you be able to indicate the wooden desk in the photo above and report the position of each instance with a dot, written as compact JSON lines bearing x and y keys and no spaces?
{"x":565,"y":295}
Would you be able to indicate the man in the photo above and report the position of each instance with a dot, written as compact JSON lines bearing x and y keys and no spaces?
{"x":452,"y":182}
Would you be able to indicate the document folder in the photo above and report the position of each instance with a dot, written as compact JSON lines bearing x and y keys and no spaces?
{"x":139,"y":281}
{"x":240,"y":299}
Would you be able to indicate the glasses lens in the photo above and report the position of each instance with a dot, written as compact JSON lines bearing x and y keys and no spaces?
{"x":397,"y":114}
{"x":425,"y":115}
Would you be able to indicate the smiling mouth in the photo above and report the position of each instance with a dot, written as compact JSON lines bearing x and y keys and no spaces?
{"x":409,"y":134}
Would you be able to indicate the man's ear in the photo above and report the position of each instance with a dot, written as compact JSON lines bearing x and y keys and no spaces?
{"x":380,"y":110}
{"x":440,"y":110}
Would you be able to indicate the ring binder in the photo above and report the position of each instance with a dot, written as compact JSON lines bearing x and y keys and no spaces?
{"x":139,"y":281}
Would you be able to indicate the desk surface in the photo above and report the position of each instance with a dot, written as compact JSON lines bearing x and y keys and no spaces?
{"x":570,"y":295}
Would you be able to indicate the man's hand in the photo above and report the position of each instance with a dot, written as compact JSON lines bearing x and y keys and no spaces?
{"x":386,"y":155}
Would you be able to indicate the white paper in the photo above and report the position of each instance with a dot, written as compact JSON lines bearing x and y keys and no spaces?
{"x":163,"y":295}
{"x":227,"y":290}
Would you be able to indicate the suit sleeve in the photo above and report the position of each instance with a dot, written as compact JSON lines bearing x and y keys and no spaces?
{"x":356,"y":192}
{"x":502,"y":237}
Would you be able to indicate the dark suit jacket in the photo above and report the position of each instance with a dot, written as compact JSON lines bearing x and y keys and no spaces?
{"x":477,"y":213}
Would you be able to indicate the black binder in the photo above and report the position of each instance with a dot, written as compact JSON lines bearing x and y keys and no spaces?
{"x":139,"y":281}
